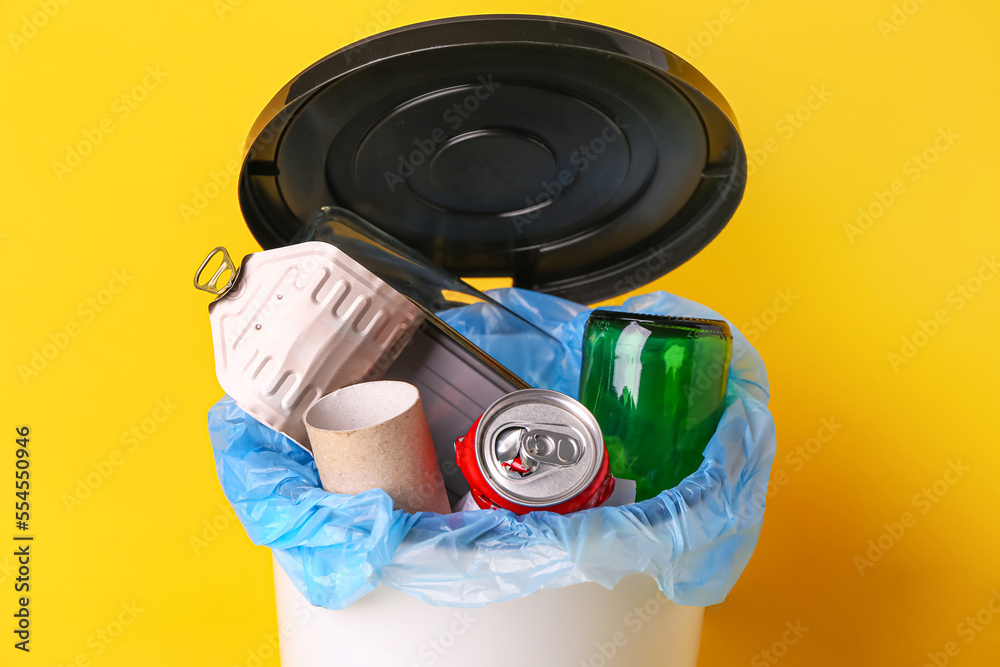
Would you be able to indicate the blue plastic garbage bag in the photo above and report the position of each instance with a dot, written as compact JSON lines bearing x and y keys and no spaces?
{"x":694,"y":539}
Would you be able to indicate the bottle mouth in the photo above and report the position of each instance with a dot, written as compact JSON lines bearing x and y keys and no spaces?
{"x":694,"y":326}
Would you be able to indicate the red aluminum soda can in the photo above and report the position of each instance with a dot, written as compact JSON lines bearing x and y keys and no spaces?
{"x":536,"y":450}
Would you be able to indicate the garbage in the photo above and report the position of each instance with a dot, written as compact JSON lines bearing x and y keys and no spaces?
{"x":656,"y":385}
{"x":295,"y":323}
{"x":375,"y":435}
{"x":590,"y":163}
{"x":536,"y":449}
{"x":693,"y":539}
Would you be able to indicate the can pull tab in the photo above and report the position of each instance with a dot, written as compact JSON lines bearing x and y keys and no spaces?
{"x":520,"y":451}
{"x":552,"y":447}
{"x":212,"y":286}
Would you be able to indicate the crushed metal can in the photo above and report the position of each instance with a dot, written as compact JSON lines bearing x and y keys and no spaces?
{"x":536,"y":450}
{"x":292,"y":324}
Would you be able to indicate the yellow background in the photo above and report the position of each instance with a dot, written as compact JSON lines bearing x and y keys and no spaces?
{"x":897,"y":74}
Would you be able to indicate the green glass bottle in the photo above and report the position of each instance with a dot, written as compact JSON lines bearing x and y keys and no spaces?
{"x":657,"y":386}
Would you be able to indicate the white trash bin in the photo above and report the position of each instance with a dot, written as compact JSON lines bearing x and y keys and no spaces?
{"x":584,"y":163}
{"x":584,"y":625}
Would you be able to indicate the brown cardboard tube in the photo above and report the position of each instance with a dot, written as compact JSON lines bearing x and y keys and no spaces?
{"x":375,"y":435}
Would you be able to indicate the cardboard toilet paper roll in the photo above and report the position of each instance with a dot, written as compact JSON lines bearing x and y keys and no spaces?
{"x":375,"y":435}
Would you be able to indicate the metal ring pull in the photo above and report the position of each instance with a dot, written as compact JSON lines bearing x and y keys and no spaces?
{"x":211,"y":286}
{"x":549,"y":446}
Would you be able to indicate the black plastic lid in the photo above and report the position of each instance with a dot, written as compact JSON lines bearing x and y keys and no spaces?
{"x":579,"y":160}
